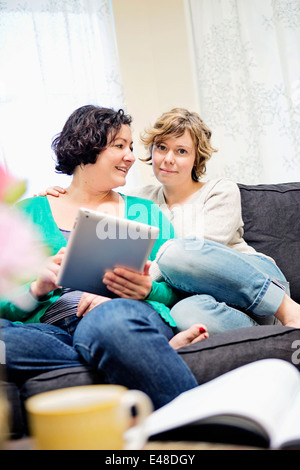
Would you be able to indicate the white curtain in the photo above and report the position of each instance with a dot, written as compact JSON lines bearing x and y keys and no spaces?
{"x":55,"y":56}
{"x":247,"y":61}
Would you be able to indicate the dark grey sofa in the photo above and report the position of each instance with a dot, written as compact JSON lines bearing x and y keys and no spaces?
{"x":272,"y":226}
{"x":271,"y":215}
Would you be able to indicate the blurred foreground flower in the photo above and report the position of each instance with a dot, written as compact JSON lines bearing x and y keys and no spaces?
{"x":21,"y":256}
{"x":21,"y":252}
{"x":11,"y":189}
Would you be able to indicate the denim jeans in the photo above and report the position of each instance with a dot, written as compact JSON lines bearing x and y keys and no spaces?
{"x":127,"y":340}
{"x":232,"y":290}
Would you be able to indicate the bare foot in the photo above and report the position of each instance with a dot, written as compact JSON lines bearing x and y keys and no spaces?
{"x":190,"y":336}
{"x":289,"y":313}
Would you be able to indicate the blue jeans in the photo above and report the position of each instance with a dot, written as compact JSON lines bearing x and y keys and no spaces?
{"x":33,"y":348}
{"x":232,"y":290}
{"x":127,"y":340}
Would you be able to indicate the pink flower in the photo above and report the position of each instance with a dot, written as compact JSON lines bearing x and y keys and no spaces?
{"x":11,"y":189}
{"x":21,"y":252}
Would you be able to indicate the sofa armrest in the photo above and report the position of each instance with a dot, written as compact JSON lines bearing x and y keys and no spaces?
{"x":272,"y":226}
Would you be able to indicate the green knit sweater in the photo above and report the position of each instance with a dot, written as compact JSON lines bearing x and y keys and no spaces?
{"x":37,"y":209}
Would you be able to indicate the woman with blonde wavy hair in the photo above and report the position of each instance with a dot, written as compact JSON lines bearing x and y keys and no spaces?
{"x":174,"y":123}
{"x":224,"y":282}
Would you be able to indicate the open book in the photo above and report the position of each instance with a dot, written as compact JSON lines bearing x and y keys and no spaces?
{"x":257,"y":405}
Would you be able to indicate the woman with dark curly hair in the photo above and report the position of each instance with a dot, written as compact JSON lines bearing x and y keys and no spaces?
{"x":129,"y":339}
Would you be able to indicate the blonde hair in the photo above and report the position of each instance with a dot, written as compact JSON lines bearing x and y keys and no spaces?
{"x":173,"y":124}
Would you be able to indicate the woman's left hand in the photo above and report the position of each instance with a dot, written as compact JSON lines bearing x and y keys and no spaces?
{"x":88,"y":302}
{"x":129,"y":284}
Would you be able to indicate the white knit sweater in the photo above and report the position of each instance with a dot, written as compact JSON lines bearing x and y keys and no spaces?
{"x":214,"y":212}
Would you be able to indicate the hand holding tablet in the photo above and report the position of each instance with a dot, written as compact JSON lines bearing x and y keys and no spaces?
{"x":100,"y":242}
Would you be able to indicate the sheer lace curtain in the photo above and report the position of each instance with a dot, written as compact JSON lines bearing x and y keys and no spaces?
{"x":248,"y":77}
{"x":56,"y":55}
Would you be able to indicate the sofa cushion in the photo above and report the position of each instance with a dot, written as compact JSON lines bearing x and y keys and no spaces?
{"x":272,"y":226}
{"x":60,"y":378}
{"x":226,"y":351}
{"x":53,"y":380}
{"x":16,"y":415}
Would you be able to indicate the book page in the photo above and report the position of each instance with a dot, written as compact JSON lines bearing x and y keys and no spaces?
{"x":261,"y":391}
{"x":289,"y":431}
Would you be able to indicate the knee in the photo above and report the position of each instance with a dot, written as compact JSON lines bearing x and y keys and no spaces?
{"x":106,"y":331}
{"x":97,"y":321}
{"x":194,"y":309}
{"x":194,"y":304}
{"x":106,"y":323}
{"x":180,"y":253}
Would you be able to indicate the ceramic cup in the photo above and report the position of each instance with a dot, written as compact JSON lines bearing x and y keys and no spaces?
{"x":93,"y":417}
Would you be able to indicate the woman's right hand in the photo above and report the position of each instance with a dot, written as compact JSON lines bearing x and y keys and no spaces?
{"x":52,"y":191}
{"x":46,"y":280}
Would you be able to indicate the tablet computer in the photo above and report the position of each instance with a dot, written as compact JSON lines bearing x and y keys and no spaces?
{"x":100,"y":242}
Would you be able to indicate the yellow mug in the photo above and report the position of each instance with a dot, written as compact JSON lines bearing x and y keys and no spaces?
{"x":93,"y":417}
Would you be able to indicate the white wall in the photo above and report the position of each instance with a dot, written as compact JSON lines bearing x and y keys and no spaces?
{"x":156,"y":66}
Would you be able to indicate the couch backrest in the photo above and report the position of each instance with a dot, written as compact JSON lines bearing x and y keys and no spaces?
{"x":271,"y":215}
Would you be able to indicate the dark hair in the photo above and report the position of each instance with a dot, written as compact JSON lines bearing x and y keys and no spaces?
{"x":85,"y":134}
